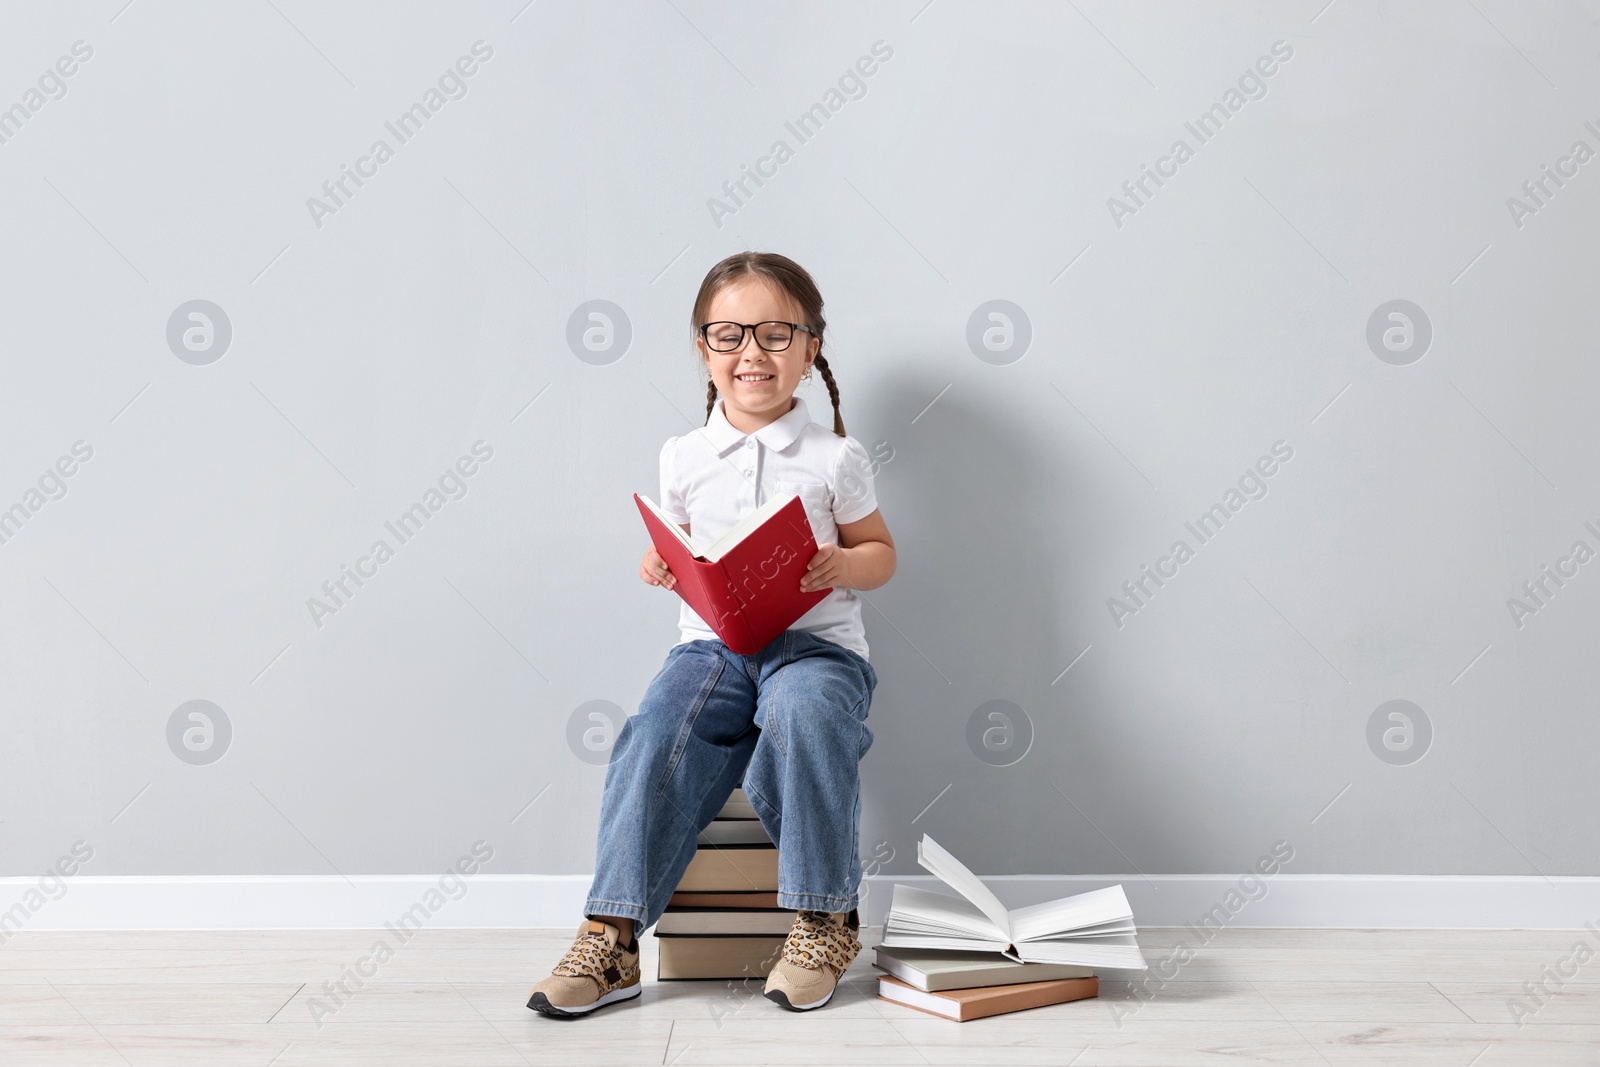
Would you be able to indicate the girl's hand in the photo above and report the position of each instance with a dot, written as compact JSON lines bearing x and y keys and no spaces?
{"x":653,"y":570}
{"x":830,"y":567}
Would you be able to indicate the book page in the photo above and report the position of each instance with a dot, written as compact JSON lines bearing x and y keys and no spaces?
{"x":1120,"y":952}
{"x":1099,"y":910}
{"x":954,"y":873}
{"x":670,"y":525}
{"x":916,"y":911}
{"x":741,"y":529}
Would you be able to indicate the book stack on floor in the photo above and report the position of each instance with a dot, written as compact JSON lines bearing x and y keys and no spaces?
{"x":968,"y":957}
{"x":723,"y":920}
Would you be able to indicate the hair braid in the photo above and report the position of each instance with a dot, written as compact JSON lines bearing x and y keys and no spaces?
{"x":833,"y":392}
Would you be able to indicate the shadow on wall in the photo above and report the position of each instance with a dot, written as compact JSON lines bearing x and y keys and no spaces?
{"x":987,"y":604}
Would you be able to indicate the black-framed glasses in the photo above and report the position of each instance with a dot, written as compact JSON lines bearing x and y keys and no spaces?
{"x":771,"y":336}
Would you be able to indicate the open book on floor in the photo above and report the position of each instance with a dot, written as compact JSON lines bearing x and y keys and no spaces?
{"x":746,"y":583}
{"x":1093,"y":929}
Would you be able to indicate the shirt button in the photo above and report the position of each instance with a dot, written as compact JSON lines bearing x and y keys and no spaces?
{"x":749,"y":471}
{"x":750,"y":443}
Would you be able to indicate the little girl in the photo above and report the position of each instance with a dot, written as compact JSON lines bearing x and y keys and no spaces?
{"x":789,"y":722}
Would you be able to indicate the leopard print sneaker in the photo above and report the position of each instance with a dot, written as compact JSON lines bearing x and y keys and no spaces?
{"x":596,"y":971}
{"x":816,"y":953}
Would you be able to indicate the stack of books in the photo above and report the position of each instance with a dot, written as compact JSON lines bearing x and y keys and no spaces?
{"x":968,"y":957}
{"x":723,"y":919}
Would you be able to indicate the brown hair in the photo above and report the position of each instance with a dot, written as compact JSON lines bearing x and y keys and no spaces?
{"x":789,"y":277}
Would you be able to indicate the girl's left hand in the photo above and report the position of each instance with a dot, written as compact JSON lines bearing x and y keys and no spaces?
{"x":830,"y":567}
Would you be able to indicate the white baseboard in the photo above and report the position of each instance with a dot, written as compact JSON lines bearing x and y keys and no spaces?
{"x":483,"y":900}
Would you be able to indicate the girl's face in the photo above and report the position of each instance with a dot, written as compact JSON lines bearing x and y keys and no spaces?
{"x":759,"y":401}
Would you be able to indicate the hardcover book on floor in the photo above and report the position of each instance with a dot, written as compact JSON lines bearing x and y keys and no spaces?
{"x":964,"y":1005}
{"x":935,"y":970}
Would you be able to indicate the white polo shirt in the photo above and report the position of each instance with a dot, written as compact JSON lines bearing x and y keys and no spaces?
{"x":715,"y":475}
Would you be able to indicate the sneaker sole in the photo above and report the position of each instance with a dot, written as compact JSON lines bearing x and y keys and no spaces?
{"x":779,"y":997}
{"x":541,"y":1004}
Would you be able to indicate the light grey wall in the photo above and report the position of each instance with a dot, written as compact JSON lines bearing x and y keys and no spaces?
{"x":1168,"y":349}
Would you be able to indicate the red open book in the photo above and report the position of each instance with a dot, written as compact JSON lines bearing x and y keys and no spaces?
{"x":746,"y":584}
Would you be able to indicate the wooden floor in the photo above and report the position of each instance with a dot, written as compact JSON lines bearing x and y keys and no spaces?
{"x":457,"y":997}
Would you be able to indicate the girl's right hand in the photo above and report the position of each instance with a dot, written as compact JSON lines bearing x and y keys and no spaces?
{"x":654,"y":570}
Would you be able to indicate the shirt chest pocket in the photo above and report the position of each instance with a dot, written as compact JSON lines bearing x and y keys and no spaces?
{"x":817,"y":499}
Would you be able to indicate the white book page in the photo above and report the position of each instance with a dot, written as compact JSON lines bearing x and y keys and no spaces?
{"x":741,"y":529}
{"x":917,"y":911}
{"x":1118,"y":952}
{"x":1116,"y":926}
{"x":963,"y":944}
{"x":1057,"y":918}
{"x":670,"y":525}
{"x":933,"y":857}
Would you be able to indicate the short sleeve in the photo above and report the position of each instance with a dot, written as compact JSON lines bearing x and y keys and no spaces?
{"x":854,"y":495}
{"x":672,"y":495}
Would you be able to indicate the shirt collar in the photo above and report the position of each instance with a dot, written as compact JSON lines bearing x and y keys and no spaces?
{"x":778,"y":434}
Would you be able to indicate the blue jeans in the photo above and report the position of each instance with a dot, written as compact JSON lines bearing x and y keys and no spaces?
{"x":789,"y":722}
